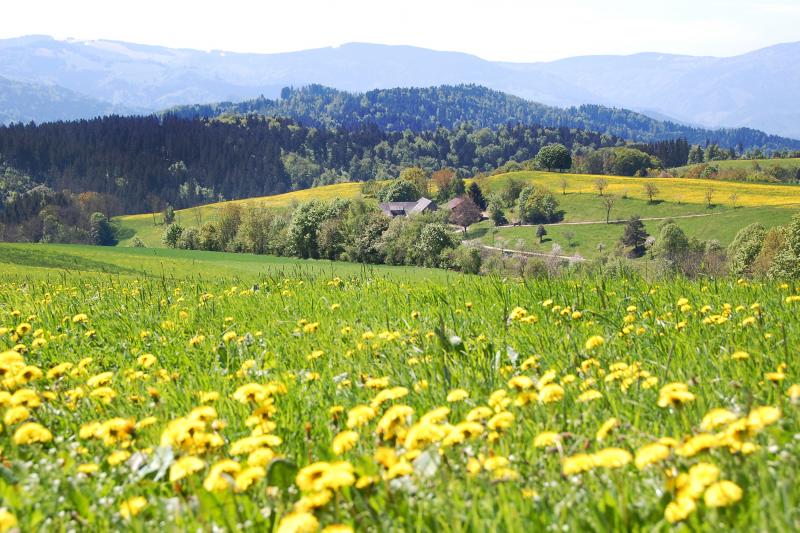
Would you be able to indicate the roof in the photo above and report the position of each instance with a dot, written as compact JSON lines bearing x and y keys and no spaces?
{"x":455,"y":202}
{"x":394,"y":209}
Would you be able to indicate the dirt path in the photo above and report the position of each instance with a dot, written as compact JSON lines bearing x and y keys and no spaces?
{"x":570,"y":258}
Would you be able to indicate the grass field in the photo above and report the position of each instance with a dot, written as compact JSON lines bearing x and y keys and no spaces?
{"x":721,"y":225}
{"x":302,"y":401}
{"x":56,"y":260}
{"x":746,"y":164}
{"x":771,"y":205}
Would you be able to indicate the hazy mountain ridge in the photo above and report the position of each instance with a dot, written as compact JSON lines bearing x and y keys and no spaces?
{"x":25,"y":102}
{"x":755,"y":90}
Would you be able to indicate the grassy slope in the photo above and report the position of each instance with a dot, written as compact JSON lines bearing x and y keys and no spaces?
{"x":747,"y":164}
{"x":771,"y":205}
{"x":765,"y":203}
{"x":52,"y":259}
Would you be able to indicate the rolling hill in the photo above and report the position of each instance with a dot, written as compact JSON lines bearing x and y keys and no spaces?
{"x":683,"y":199}
{"x":25,"y":102}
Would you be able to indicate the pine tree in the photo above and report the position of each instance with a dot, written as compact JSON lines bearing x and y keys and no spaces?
{"x":634,"y":236}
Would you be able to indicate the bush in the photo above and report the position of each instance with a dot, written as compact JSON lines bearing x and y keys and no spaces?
{"x":537,"y":205}
{"x":671,"y":244}
{"x":171,"y":235}
{"x":190,"y":239}
{"x":467,"y":260}
{"x":136,"y":242}
{"x":744,"y":249}
{"x":434,"y":239}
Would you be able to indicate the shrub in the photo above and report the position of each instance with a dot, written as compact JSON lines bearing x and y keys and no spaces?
{"x":190,"y":239}
{"x":434,"y":239}
{"x":744,"y":249}
{"x":537,"y":205}
{"x":465,"y":259}
{"x":171,"y":235}
{"x":136,"y":242}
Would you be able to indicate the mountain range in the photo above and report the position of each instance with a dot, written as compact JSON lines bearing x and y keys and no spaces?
{"x":756,"y":90}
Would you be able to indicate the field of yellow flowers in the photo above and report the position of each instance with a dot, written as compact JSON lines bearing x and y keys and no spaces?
{"x":371,"y":405}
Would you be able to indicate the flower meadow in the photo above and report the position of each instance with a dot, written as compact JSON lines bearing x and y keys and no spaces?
{"x":374,"y":404}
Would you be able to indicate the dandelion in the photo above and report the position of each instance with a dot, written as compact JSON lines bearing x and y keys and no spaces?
{"x":359,"y":415}
{"x":185,"y":466}
{"x":7,"y":520}
{"x":606,"y":428}
{"x":612,"y":458}
{"x":551,"y":393}
{"x":674,"y":394}
{"x":247,"y":477}
{"x":132,"y":507}
{"x":595,"y":341}
{"x":344,"y":441}
{"x":679,"y":509}
{"x":589,"y":395}
{"x":298,"y":522}
{"x":31,"y":433}
{"x":220,"y":474}
{"x":722,"y":494}
{"x":651,"y":454}
{"x":546,"y":439}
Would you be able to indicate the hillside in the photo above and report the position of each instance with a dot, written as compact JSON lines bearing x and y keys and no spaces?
{"x":143,"y":161}
{"x":24,"y":102}
{"x":584,"y":221}
{"x":420,"y":109}
{"x":755,"y":90}
{"x":585,"y":232}
{"x":747,"y":165}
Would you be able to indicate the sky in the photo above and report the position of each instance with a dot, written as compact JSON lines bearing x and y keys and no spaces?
{"x":500,"y":30}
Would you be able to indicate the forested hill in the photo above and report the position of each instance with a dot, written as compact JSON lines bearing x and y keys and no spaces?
{"x":141,"y":161}
{"x":420,"y":109}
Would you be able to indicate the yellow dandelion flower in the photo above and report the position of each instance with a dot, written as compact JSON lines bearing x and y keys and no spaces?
{"x":595,"y":341}
{"x":344,"y":441}
{"x":722,"y":494}
{"x":612,"y":458}
{"x":679,"y":509}
{"x":547,"y":439}
{"x":298,"y":522}
{"x":30,"y":433}
{"x":7,"y":520}
{"x":132,"y":507}
{"x":650,"y":454}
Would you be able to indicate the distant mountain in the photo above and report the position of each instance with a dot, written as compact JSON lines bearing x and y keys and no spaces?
{"x":24,"y":102}
{"x":756,"y":90}
{"x":421,"y":109}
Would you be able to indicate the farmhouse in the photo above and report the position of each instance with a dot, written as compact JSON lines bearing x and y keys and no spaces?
{"x":455,"y":202}
{"x":405,"y":209}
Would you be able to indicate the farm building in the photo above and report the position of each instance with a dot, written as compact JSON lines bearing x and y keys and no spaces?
{"x":404,"y":209}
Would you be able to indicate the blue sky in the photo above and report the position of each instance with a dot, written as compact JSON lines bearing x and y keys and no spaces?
{"x":505,"y":30}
